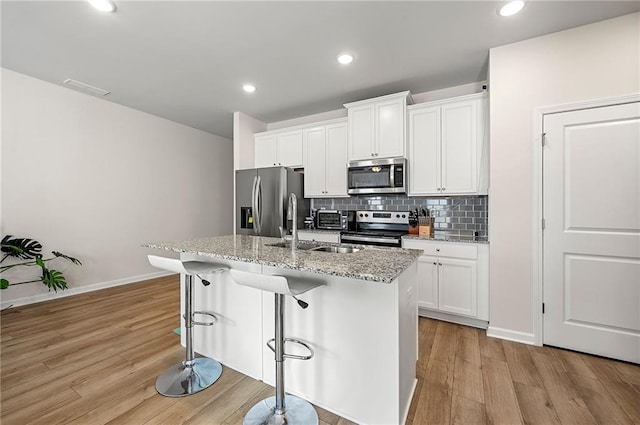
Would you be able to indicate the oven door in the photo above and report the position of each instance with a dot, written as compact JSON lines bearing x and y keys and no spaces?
{"x":377,"y":176}
{"x":329,"y":220}
{"x":370,"y":240}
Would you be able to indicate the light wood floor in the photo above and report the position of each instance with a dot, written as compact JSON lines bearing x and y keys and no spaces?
{"x":93,"y":359}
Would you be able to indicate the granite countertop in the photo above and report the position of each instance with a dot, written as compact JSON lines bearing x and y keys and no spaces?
{"x":373,"y":264}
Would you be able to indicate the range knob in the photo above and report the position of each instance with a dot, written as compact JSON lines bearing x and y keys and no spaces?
{"x":360,"y":214}
{"x":397,"y":215}
{"x":404,"y":216}
{"x":366,"y":215}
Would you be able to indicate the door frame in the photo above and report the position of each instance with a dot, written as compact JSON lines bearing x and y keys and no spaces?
{"x":538,"y":255}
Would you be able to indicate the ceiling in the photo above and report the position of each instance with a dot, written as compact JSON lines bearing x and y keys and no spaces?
{"x":186,"y":61}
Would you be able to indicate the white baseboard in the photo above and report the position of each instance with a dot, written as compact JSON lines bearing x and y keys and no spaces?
{"x":511,"y":335}
{"x":453,"y":318}
{"x":79,"y":290}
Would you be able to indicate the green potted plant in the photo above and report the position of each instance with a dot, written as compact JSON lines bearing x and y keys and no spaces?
{"x":30,"y":252}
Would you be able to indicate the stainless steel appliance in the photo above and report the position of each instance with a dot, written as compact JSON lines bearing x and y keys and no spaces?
{"x":334,"y":219}
{"x":384,"y":228}
{"x":261,"y":200}
{"x":377,"y":176}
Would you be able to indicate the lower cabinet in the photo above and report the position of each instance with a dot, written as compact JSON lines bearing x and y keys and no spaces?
{"x":319,"y":236}
{"x":452,"y":280}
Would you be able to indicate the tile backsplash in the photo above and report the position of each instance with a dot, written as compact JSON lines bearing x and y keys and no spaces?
{"x":458,"y":215}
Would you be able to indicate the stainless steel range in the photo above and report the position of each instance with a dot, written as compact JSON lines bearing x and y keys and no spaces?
{"x":383,"y":228}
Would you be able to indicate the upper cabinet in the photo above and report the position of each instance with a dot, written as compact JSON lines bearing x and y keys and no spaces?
{"x":377,"y":127}
{"x":325,"y":160}
{"x":448,"y":147}
{"x":278,"y":148}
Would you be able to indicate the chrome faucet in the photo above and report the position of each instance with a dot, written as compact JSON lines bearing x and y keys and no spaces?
{"x":292,"y":214}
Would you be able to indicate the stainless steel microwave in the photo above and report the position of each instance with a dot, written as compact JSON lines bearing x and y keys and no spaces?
{"x":377,"y":176}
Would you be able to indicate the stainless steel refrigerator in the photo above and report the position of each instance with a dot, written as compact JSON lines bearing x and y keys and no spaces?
{"x":262,"y":196}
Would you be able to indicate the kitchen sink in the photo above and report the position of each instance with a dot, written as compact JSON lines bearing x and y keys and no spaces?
{"x":337,"y":249}
{"x":322,"y":248}
{"x":301,"y":246}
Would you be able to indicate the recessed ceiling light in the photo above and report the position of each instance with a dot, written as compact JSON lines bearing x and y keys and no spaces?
{"x":249,"y":88}
{"x":511,"y":8}
{"x":103,"y":5}
{"x":346,"y":58}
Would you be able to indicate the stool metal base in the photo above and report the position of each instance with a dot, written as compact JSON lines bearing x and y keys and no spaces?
{"x":297,"y":412}
{"x":180,"y":381}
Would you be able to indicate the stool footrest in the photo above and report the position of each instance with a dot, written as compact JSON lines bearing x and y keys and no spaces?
{"x":292,"y":356}
{"x":213,"y":316}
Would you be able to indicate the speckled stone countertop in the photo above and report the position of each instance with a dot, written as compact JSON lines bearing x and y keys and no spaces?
{"x":371,"y":264}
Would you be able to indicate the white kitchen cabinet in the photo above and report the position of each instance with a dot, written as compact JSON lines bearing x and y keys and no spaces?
{"x":278,"y":148}
{"x":448,"y":147}
{"x":266,"y":150}
{"x":377,"y":127}
{"x":325,"y":160}
{"x":319,"y":236}
{"x":428,"y":282}
{"x":453,"y":280}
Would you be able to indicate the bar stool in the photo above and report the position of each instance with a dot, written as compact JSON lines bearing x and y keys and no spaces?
{"x":193,"y":374}
{"x":281,"y":409}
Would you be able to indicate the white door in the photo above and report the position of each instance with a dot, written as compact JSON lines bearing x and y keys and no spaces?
{"x":428,"y":282}
{"x":591,"y":243}
{"x":458,"y":286}
{"x":424,"y":145}
{"x":460,"y":147}
{"x":361,"y":134}
{"x":389,"y":131}
{"x":266,"y":151}
{"x":336,"y":163}
{"x":314,"y":164}
{"x":290,"y":149}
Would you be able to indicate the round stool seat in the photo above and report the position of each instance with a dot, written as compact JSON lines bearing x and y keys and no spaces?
{"x":193,"y":374}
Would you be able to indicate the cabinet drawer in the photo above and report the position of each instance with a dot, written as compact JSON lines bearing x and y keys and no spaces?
{"x":319,"y":237}
{"x":443,"y":249}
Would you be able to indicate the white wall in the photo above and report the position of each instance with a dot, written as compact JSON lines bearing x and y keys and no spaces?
{"x":95,"y":180}
{"x":244,"y":127}
{"x":591,"y":62}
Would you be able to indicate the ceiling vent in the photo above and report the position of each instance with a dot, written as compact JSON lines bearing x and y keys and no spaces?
{"x":85,"y":87}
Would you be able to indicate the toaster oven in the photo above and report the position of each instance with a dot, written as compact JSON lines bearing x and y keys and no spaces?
{"x":332,"y":219}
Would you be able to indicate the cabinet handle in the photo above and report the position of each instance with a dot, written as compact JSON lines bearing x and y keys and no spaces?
{"x":435,"y":264}
{"x":439,"y":264}
{"x":437,"y":249}
{"x":443,"y":189}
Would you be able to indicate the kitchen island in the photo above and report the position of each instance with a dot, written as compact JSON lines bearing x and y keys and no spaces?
{"x":362,"y":324}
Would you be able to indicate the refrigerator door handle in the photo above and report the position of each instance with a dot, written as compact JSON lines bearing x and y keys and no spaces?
{"x":254,"y":204}
{"x":257,"y":216}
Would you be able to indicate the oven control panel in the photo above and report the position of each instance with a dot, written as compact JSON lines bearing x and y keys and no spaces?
{"x":389,"y":217}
